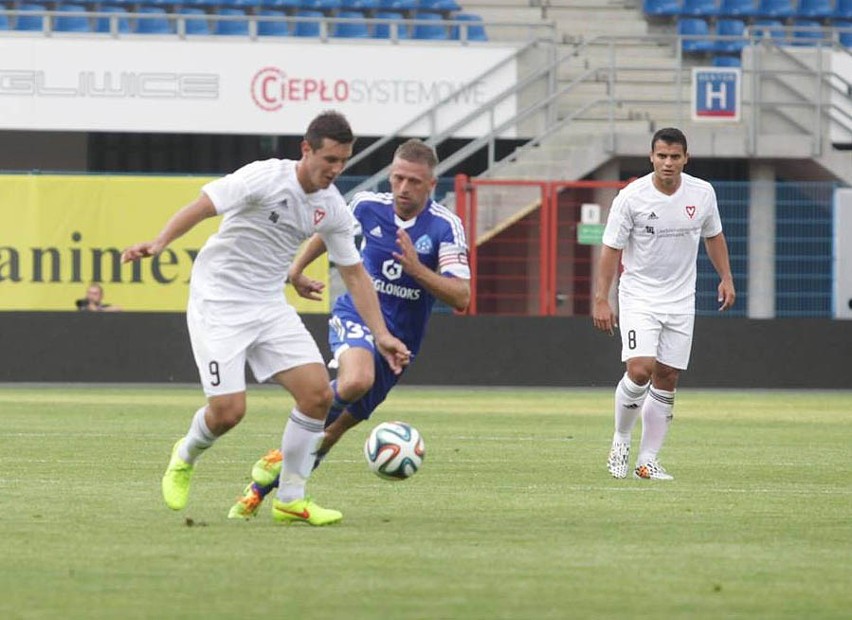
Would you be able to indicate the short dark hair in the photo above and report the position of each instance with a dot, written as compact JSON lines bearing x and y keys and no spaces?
{"x":417,"y":152}
{"x":332,"y":125}
{"x":669,"y":135}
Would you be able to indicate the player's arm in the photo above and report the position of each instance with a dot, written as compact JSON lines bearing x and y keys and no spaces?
{"x":179,"y":224}
{"x":360,"y":287}
{"x":307,"y":287}
{"x":454,"y":292}
{"x":602,"y":314}
{"x":717,"y":251}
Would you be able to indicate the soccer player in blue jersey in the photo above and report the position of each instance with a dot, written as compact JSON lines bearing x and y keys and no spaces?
{"x":415,"y":252}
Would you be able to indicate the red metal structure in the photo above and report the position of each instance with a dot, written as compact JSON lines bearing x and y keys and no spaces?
{"x":530,"y":263}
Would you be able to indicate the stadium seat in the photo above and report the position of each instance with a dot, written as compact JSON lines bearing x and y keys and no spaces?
{"x":699,"y":8}
{"x":308,"y":28}
{"x":72,"y":23}
{"x":815,"y":9}
{"x":807,"y":32}
{"x":232,"y":26}
{"x":768,"y":28}
{"x":738,"y":8}
{"x":383,"y":30}
{"x":431,"y":32}
{"x":153,"y":21}
{"x":844,"y":32}
{"x":843,"y":9}
{"x":730,"y":28}
{"x":4,"y":22}
{"x":291,"y":6}
{"x":273,"y":28}
{"x":696,"y":33}
{"x":198,"y":24}
{"x":102,"y":23}
{"x":438,"y":6}
{"x":727,"y":61}
{"x":475,"y":29}
{"x":351,"y":30}
{"x":30,"y":22}
{"x":324,"y":6}
{"x":776,"y":9}
{"x":239,"y":4}
{"x":360,"y":5}
{"x":661,"y":8}
{"x":397,"y":5}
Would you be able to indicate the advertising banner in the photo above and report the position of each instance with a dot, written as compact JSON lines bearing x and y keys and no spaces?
{"x":242,"y":87}
{"x":60,"y":233}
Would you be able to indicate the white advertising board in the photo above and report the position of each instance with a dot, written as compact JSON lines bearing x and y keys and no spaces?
{"x":138,"y":85}
{"x":841,"y":98}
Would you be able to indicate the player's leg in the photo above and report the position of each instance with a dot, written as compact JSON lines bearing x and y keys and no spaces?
{"x":639,"y":335}
{"x":658,"y":409}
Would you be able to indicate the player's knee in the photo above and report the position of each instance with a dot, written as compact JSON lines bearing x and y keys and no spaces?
{"x":226,"y":415}
{"x":354,"y":387}
{"x":316,"y":402}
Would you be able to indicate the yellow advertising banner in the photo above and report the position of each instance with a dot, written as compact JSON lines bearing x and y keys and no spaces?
{"x":59,"y":233}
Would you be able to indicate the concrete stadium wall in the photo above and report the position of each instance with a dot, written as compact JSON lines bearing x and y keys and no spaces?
{"x":483,"y":351}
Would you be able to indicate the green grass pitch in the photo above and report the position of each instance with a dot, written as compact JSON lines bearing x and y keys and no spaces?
{"x":512,"y":516}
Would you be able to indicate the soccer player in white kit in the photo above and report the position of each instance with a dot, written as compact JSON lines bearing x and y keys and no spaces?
{"x":237,"y":311}
{"x":653,"y":230}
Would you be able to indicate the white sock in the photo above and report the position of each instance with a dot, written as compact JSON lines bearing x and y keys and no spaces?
{"x":628,"y":403}
{"x":299,"y":444}
{"x":656,"y":417}
{"x":198,"y":439}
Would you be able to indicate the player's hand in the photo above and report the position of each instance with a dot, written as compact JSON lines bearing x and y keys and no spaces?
{"x":603,"y":316}
{"x":407,"y":255}
{"x":139,"y":251}
{"x":726,"y":294}
{"x":307,"y":287}
{"x":394,"y":351}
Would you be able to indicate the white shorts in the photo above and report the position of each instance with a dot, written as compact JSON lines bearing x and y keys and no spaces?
{"x":665,"y":337}
{"x":270,"y":336}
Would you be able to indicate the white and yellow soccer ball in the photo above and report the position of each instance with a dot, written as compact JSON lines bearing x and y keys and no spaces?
{"x":394,"y":450}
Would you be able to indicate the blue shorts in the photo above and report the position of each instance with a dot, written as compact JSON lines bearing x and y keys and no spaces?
{"x":347,"y":331}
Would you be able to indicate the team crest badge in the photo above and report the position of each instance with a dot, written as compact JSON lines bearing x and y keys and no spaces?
{"x":319,"y":215}
{"x":423,"y":245}
{"x":690,"y":211}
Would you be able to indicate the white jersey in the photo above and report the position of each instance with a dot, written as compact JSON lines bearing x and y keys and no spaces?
{"x":659,"y":235}
{"x":267,"y":216}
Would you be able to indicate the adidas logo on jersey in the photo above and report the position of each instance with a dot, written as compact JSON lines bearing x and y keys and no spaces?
{"x":653,"y":216}
{"x":377,"y":231}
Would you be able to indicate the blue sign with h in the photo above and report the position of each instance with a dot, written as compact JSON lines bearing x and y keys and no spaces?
{"x":715,"y":94}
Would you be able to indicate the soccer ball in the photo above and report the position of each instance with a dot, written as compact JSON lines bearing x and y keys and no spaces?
{"x":394,"y":450}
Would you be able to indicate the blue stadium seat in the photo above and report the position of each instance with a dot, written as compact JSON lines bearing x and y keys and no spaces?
{"x":727,"y":61}
{"x":768,"y":28}
{"x":808,"y":32}
{"x":198,"y":23}
{"x":815,"y":9}
{"x":431,"y":32}
{"x":231,"y":27}
{"x":843,"y":9}
{"x":844,"y":34}
{"x":360,"y":5}
{"x":239,"y":4}
{"x":661,"y":8}
{"x":30,"y":22}
{"x":351,"y":30}
{"x":273,"y":28}
{"x":438,"y":6}
{"x":153,"y":21}
{"x":383,"y":30}
{"x":730,"y":28}
{"x":4,"y":22}
{"x":307,"y":28}
{"x":776,"y":9}
{"x":72,"y":23}
{"x":699,"y":8}
{"x":291,"y":6}
{"x":475,"y":29}
{"x":738,"y":8}
{"x":325,"y":6}
{"x":698,"y":32}
{"x":102,"y":24}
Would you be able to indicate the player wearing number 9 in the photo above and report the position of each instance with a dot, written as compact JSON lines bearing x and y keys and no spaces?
{"x":415,"y":252}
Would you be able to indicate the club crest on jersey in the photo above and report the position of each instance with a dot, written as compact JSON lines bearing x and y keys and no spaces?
{"x":319,"y":215}
{"x":423,"y":245}
{"x":690,"y":211}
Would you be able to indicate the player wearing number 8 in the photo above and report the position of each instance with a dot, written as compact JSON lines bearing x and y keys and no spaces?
{"x":237,"y":311}
{"x":653,"y":229}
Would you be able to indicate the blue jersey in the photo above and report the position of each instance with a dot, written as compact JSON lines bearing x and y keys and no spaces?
{"x":438,"y":237}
